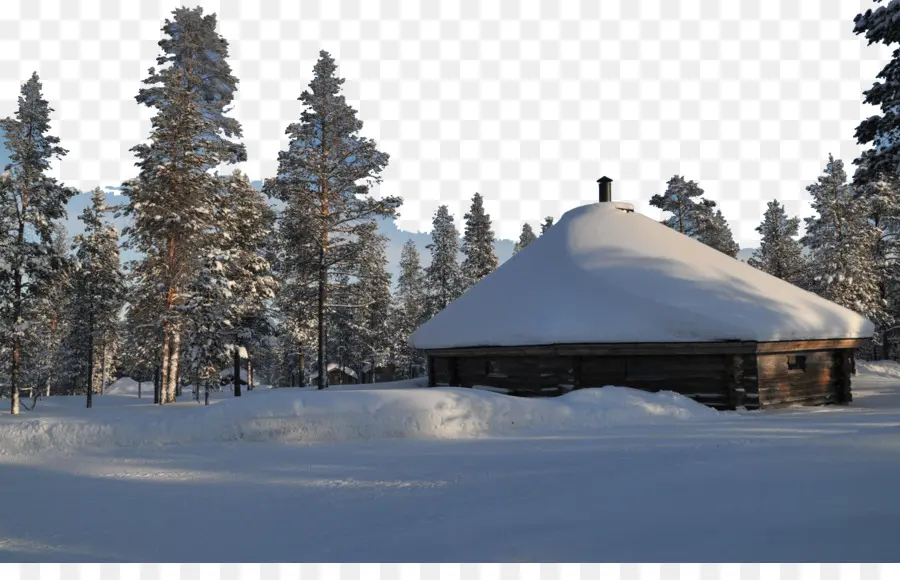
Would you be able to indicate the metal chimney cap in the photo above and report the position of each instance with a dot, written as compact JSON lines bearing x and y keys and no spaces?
{"x":604,"y":179}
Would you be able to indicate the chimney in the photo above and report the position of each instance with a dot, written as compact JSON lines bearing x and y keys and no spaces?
{"x":605,"y":189}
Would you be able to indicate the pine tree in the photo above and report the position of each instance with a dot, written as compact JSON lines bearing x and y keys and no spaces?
{"x":681,"y":199}
{"x":779,"y":253}
{"x":318,"y":178}
{"x":526,"y":237}
{"x":371,"y":307}
{"x":98,"y":292}
{"x":43,"y":346}
{"x":30,"y":202}
{"x":409,"y":309}
{"x":711,"y":228}
{"x":881,"y":200}
{"x":882,"y":131}
{"x":547,"y":224}
{"x":226,"y":302}
{"x":443,"y":277}
{"x":295,"y":267}
{"x":478,"y":243}
{"x":172,"y":199}
{"x":878,"y":168}
{"x":841,"y":242}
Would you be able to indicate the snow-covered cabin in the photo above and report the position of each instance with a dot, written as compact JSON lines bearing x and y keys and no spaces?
{"x":608,"y":296}
{"x":337,"y":375}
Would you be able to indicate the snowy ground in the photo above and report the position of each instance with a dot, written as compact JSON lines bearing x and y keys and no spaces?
{"x":411,"y":474}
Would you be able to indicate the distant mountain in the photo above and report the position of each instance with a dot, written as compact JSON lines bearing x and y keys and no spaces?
{"x":746,"y":253}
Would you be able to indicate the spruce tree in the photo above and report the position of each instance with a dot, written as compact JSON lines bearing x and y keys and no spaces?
{"x":409,"y":309}
{"x":779,"y":253}
{"x":30,"y":203}
{"x":171,"y":201}
{"x":841,"y":242}
{"x":43,"y":347}
{"x":526,"y":237}
{"x":371,"y":306}
{"x":98,"y":292}
{"x":478,"y":243}
{"x":878,"y":167}
{"x":882,"y":131}
{"x":547,"y":224}
{"x":443,"y":277}
{"x":881,"y":198}
{"x":711,"y":228}
{"x":319,"y":179}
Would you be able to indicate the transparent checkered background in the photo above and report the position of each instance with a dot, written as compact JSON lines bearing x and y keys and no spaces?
{"x":526,"y":102}
{"x":451,"y":572}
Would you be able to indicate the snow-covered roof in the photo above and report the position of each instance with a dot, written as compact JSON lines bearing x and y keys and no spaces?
{"x":333,"y":367}
{"x":601,"y":275}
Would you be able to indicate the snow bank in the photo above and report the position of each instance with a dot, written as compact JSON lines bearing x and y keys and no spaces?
{"x":884,"y":368}
{"x":304,"y":416}
{"x":128,"y":386}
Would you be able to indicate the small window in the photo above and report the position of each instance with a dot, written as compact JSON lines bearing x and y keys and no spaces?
{"x":796,"y":363}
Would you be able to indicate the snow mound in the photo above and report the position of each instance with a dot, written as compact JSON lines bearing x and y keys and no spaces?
{"x":884,"y":368}
{"x":128,"y":386}
{"x":303,"y":416}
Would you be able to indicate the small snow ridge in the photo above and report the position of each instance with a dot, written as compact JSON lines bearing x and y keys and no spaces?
{"x":309,"y":416}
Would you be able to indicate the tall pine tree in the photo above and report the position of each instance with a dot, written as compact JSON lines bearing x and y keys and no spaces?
{"x":877,"y":176}
{"x":443,"y":277}
{"x":841,"y":241}
{"x":319,"y":179}
{"x":779,"y":253}
{"x":30,"y":202}
{"x":171,"y":201}
{"x":98,"y":292}
{"x":409,"y":309}
{"x":478,"y":243}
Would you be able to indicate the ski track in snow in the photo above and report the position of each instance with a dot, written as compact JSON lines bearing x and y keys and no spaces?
{"x":618,"y":477}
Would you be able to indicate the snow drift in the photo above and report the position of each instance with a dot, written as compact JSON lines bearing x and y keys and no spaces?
{"x":302,"y":416}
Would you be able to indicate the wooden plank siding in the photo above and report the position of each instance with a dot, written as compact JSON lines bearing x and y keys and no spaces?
{"x":750,"y":377}
{"x":820,"y":380}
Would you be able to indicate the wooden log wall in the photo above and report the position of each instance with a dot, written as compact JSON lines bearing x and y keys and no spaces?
{"x":741,"y":380}
{"x":803,"y":378}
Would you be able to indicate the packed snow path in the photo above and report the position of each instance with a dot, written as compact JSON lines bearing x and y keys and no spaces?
{"x":794,"y":485}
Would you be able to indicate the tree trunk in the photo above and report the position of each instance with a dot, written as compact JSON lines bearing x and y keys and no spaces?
{"x":103,"y":368}
{"x":47,"y":388}
{"x":139,"y":389}
{"x":249,"y":373}
{"x":323,"y":288}
{"x":301,"y":363}
{"x":206,"y":394}
{"x":156,"y":383}
{"x":173,"y":365}
{"x":164,"y":367}
{"x":90,"y":365}
{"x":237,"y":371}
